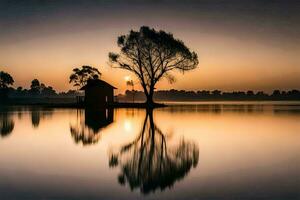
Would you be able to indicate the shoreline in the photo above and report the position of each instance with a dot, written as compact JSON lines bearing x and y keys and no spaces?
{"x":80,"y":105}
{"x":159,"y":104}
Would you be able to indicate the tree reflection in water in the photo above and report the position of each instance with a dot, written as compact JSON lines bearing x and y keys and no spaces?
{"x":37,"y":114}
{"x":6,"y":124}
{"x":87,"y":128}
{"x":149,"y":164}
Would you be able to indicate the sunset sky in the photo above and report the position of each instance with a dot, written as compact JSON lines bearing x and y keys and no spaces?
{"x":241,"y":44}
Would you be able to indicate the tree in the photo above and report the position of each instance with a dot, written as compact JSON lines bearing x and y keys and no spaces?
{"x":151,"y":55}
{"x":19,"y":89}
{"x":250,"y":93}
{"x":5,"y":80}
{"x":35,"y":87}
{"x":80,"y":76}
{"x":216,"y":92}
{"x":131,"y":83}
{"x":276,"y":93}
{"x":48,"y":91}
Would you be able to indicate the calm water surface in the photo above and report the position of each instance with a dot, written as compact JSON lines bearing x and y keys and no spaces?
{"x":205,"y":151}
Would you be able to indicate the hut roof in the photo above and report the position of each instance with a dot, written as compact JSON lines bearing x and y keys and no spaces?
{"x":97,"y":83}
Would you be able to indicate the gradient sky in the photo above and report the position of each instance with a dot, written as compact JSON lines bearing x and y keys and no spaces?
{"x":241,"y":44}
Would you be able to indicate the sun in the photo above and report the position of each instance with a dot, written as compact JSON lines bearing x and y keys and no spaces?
{"x":127,"y":126}
{"x":127,"y":78}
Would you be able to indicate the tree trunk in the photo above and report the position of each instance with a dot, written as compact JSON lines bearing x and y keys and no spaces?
{"x":150,"y":102}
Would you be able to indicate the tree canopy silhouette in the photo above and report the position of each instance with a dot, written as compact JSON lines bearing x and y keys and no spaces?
{"x":80,"y":76}
{"x":151,"y":55}
{"x":35,"y":87}
{"x":5,"y":80}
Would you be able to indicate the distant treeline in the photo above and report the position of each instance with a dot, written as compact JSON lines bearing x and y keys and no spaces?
{"x":205,"y":95}
{"x":41,"y":93}
{"x":37,"y":93}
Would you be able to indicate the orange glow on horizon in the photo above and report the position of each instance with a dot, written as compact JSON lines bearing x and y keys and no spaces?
{"x":225,"y":63}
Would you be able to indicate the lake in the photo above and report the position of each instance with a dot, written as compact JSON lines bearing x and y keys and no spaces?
{"x":229,"y":150}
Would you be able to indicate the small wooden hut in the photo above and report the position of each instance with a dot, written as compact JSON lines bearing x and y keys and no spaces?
{"x":98,"y":94}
